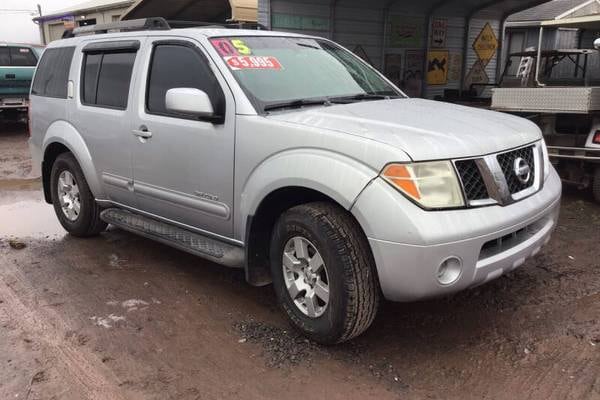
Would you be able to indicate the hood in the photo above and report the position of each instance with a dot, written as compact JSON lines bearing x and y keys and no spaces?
{"x":424,"y":129}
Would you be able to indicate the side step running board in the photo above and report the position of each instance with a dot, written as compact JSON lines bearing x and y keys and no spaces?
{"x":182,"y":239}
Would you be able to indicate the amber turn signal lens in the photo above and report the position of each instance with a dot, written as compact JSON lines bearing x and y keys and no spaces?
{"x":401,"y":177}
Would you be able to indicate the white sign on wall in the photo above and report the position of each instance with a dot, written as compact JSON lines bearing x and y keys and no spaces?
{"x":439,"y":33}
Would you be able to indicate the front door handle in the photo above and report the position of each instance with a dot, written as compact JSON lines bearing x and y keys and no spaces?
{"x":143,"y":133}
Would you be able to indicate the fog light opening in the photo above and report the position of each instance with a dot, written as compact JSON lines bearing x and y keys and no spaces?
{"x":449,"y":271}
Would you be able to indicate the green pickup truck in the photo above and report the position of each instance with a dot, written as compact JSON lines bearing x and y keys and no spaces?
{"x":17,"y":65}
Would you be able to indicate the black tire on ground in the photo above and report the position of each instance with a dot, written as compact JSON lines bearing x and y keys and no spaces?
{"x":596,"y":185}
{"x":352,"y":277}
{"x":88,"y":222}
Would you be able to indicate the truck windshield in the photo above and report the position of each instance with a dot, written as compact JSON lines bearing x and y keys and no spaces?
{"x":280,"y":72}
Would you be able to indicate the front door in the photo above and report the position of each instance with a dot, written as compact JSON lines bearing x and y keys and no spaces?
{"x":183,"y":165}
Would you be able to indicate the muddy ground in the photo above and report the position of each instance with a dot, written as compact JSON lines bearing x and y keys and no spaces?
{"x":121,"y":317}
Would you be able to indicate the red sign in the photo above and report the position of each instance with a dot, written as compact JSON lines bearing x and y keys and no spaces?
{"x":224,"y":47}
{"x":252,"y":62}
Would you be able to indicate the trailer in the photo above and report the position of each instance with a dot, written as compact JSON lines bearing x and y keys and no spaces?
{"x":560,"y":91}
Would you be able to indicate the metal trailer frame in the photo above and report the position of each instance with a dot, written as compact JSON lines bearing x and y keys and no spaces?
{"x":546,"y":100}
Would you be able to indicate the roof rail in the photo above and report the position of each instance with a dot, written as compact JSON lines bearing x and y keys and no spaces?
{"x":230,"y":25}
{"x":144,"y":24}
{"x":156,"y":24}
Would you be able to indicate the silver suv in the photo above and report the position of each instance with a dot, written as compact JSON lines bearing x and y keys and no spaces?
{"x":289,"y":157}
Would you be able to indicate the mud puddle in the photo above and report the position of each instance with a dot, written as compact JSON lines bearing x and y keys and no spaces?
{"x":24,"y":217}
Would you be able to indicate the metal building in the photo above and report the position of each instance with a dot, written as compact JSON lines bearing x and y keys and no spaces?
{"x":53,"y":25}
{"x":430,"y":48}
{"x":522,"y":29}
{"x":195,"y":10}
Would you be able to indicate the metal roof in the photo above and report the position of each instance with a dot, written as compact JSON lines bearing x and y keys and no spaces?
{"x":498,"y":9}
{"x":196,"y":10}
{"x":246,"y":10}
{"x":585,"y":22}
{"x":88,"y":6}
{"x":553,"y":10}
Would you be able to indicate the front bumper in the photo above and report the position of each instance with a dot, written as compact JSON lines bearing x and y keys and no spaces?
{"x":409,"y":244}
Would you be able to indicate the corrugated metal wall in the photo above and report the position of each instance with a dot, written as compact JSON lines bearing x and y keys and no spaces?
{"x":309,"y":17}
{"x":359,"y":26}
{"x":264,"y":17}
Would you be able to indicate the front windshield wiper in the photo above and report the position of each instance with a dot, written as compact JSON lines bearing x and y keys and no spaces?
{"x":362,"y":97}
{"x":297,"y":104}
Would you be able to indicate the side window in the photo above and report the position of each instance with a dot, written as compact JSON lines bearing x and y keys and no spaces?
{"x":91,"y":66}
{"x":180,"y":66}
{"x":22,"y":57}
{"x":106,"y":78}
{"x":53,"y":73}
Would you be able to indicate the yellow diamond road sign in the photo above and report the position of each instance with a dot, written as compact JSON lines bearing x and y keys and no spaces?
{"x":486,"y":44}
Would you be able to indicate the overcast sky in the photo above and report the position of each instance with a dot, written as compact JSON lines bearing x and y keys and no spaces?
{"x":15,"y":18}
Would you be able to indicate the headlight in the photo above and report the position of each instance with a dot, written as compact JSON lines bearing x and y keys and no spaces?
{"x":547,"y":165}
{"x":433,"y":185}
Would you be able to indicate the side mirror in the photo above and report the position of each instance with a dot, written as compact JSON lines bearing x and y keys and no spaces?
{"x":597,"y":44}
{"x":189,"y":101}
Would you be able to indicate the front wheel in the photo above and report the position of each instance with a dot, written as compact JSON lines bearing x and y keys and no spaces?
{"x":323,"y":273}
{"x":73,"y":201}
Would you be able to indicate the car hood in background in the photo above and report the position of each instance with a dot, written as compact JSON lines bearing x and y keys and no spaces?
{"x":424,"y":129}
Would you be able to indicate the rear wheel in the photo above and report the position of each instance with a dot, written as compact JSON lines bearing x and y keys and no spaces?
{"x":596,"y":185}
{"x":73,"y":201}
{"x":324,"y":273}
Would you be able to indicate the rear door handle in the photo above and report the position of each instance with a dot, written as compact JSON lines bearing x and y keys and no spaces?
{"x":142,"y":133}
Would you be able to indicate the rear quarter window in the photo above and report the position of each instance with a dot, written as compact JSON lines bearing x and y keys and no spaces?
{"x":22,"y":57}
{"x":52,"y":74}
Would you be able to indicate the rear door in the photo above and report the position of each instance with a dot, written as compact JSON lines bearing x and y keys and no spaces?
{"x":183,"y":165}
{"x":103,"y":111}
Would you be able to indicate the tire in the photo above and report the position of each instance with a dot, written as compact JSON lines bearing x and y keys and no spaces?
{"x":86,"y":222}
{"x":596,"y":185}
{"x":350,"y":273}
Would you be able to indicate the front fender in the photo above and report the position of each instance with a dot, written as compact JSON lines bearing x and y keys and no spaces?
{"x":337,"y":176}
{"x":64,"y":133}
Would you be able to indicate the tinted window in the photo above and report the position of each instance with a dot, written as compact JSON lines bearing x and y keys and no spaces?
{"x":4,"y":56}
{"x":22,"y":57}
{"x":53,"y":73}
{"x":176,"y":66}
{"x":90,"y":77}
{"x":106,"y":78}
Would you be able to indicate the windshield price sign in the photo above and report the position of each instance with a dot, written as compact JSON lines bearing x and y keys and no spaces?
{"x":252,"y":62}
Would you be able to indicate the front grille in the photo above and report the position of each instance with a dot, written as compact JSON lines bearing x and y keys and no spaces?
{"x":471,"y":179}
{"x":510,"y":241}
{"x":507,"y":163}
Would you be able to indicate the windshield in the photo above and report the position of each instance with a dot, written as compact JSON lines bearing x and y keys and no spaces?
{"x":275,"y":71}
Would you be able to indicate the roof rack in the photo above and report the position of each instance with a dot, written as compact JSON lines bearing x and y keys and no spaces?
{"x":155,"y":24}
{"x":229,"y":25}
{"x":144,"y":24}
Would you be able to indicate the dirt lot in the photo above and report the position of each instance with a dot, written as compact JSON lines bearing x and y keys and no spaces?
{"x":121,"y":317}
{"x":15,"y":162}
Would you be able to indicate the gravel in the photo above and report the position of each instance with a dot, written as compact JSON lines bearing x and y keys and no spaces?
{"x":282,"y":347}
